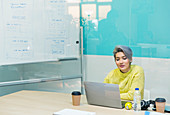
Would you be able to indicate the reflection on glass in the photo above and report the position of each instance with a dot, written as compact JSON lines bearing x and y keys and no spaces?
{"x":104,"y":0}
{"x":88,"y":0}
{"x":141,"y":24}
{"x":89,"y":11}
{"x":74,"y":11}
{"x":100,"y":38}
{"x":109,"y":33}
{"x":73,"y":1}
{"x":103,"y":10}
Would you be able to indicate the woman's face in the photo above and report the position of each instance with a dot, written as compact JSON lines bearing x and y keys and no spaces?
{"x":122,"y":62}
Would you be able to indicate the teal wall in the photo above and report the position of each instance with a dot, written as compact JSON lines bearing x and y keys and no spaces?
{"x":141,"y":24}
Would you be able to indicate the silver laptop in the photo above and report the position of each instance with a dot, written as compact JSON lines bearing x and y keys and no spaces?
{"x":103,"y":94}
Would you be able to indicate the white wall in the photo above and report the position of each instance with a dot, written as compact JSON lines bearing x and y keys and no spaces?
{"x":157,"y":72}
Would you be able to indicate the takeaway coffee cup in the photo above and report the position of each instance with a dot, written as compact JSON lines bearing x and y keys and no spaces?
{"x":160,"y":104}
{"x":76,"y":95}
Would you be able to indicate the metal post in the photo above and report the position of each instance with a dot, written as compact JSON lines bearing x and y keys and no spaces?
{"x":81,"y":60}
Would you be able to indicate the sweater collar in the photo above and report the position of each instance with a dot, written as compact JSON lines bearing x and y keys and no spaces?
{"x":124,"y":74}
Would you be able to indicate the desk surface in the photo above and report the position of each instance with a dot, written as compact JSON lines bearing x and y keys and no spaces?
{"x":46,"y":103}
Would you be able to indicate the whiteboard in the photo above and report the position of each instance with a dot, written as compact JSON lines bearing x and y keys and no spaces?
{"x":38,"y":30}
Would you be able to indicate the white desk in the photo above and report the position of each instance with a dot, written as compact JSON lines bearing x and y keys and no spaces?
{"x":46,"y":103}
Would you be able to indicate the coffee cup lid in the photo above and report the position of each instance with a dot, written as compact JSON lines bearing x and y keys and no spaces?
{"x":160,"y":100}
{"x":76,"y":93}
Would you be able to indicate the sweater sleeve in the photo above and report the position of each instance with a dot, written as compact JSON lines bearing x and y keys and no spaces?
{"x":137,"y":82}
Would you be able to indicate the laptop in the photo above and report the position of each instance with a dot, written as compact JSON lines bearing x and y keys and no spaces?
{"x":103,"y":94}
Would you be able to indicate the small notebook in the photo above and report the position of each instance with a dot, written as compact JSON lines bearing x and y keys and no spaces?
{"x":73,"y":112}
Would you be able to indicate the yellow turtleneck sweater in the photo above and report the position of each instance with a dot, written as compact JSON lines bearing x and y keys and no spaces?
{"x":134,"y":78}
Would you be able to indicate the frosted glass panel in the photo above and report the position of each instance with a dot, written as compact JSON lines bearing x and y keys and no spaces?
{"x":38,"y":30}
{"x":64,"y":86}
{"x":32,"y":34}
{"x":66,"y":72}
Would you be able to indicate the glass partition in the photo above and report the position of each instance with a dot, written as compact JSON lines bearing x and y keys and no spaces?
{"x":51,"y":29}
{"x":142,"y":25}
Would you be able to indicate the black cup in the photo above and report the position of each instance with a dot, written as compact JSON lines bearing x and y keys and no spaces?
{"x":160,"y":100}
{"x":76,"y":95}
{"x":160,"y":104}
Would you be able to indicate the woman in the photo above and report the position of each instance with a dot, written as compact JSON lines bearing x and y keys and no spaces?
{"x":126,"y":75}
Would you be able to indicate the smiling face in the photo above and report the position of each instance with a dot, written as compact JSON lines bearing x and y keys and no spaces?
{"x":122,"y":62}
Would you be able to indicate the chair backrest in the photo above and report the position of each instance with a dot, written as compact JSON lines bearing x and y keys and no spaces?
{"x":146,"y":95}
